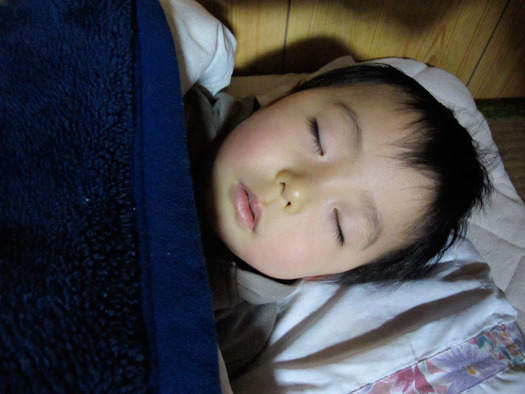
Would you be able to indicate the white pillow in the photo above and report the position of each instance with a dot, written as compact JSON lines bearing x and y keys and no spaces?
{"x":336,"y":340}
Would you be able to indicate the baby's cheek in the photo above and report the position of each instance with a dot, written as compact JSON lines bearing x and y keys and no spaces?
{"x":254,"y":142}
{"x":284,"y":257}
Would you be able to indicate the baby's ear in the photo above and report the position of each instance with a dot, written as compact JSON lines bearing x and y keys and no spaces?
{"x":285,"y":94}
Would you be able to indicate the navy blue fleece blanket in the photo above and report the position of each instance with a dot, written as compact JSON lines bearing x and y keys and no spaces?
{"x":103,"y":286}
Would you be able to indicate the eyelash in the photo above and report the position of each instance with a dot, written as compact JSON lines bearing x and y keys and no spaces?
{"x":337,"y":229}
{"x":314,"y":129}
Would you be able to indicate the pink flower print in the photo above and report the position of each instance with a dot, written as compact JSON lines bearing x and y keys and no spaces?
{"x":405,"y":381}
{"x":420,"y":382}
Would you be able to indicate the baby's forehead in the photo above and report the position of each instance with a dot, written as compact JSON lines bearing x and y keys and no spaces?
{"x":406,"y":131}
{"x":373,"y":99}
{"x":370,"y":92}
{"x":365,"y":96}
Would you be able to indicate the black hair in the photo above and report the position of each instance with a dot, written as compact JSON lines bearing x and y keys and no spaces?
{"x":439,"y":147}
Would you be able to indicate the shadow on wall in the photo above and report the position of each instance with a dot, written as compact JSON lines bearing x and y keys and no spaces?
{"x":428,"y":12}
{"x":308,"y":56}
{"x":311,"y":24}
{"x":452,"y":34}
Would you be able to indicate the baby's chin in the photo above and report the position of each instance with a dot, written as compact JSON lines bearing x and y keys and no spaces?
{"x":270,"y":271}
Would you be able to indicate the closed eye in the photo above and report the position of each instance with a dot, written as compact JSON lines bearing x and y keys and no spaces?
{"x":337,"y":229}
{"x":314,"y":129}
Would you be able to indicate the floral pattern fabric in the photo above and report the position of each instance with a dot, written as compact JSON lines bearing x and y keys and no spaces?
{"x":459,"y":368}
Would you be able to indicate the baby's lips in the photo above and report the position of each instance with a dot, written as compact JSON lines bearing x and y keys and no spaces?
{"x":255,"y":208}
{"x":242,"y":205}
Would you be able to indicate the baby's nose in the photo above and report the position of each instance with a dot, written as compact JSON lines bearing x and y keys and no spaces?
{"x":296,"y":190}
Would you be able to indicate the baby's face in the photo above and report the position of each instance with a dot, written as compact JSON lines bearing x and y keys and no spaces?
{"x":310,"y":186}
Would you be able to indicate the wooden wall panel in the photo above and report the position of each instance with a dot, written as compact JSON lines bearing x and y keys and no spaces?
{"x":259,"y":26}
{"x":479,"y":41}
{"x":449,"y":34}
{"x":501,"y":71}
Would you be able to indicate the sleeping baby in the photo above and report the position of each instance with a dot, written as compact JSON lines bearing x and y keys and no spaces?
{"x":358,"y":175}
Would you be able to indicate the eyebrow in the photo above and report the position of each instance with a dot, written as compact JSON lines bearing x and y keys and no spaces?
{"x":353,"y":121}
{"x":372,"y":216}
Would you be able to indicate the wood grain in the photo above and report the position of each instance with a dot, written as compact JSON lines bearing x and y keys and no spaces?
{"x":260,"y":28}
{"x":449,"y":34}
{"x":479,"y":41}
{"x":501,"y":71}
